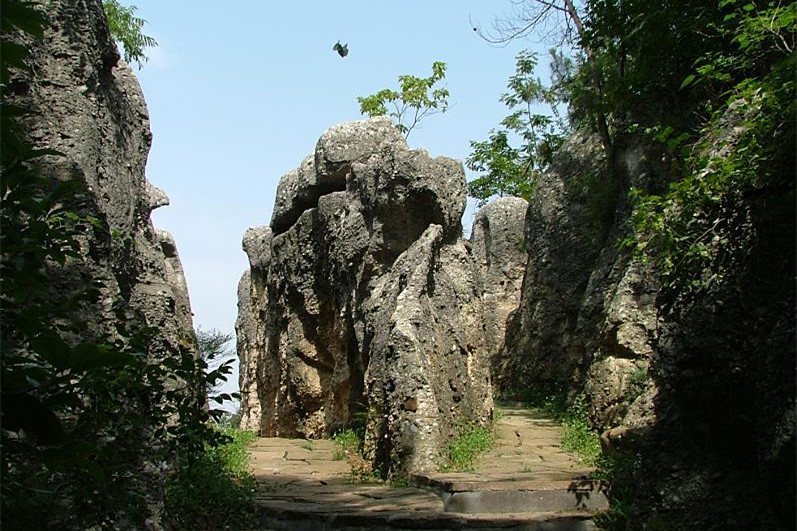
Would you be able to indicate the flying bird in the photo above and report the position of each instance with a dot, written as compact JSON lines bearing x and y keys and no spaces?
{"x":342,"y":49}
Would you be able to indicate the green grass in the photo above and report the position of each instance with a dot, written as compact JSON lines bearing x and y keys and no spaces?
{"x":308,"y":445}
{"x":348,"y":441}
{"x":216,"y":489}
{"x":472,"y":440}
{"x":578,"y":437}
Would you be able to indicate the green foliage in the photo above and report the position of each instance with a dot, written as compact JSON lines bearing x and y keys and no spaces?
{"x":472,"y":439}
{"x":215,"y":489}
{"x":509,"y":170}
{"x":415,"y":100}
{"x":230,"y":419}
{"x":218,"y":360}
{"x":552,"y":398}
{"x":618,"y":472}
{"x":700,"y":230}
{"x":578,"y":436}
{"x":348,"y":441}
{"x":126,"y":28}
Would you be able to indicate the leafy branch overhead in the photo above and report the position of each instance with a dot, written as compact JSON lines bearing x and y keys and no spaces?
{"x":415,"y":100}
{"x":126,"y":29}
{"x":508,"y":170}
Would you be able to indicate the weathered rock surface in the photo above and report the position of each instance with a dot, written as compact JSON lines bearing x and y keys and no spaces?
{"x":87,"y":104}
{"x":362,"y":306}
{"x":563,"y":236}
{"x":499,"y":252}
{"x":251,"y":340}
{"x":702,"y":391}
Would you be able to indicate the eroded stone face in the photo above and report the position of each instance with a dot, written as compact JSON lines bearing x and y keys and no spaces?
{"x":367,"y":309}
{"x":86,"y":103}
{"x":500,"y":257}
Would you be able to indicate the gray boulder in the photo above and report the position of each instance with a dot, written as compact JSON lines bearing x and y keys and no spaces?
{"x":367,"y":312}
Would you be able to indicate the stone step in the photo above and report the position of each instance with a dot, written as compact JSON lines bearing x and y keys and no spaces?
{"x":525,"y":471}
{"x":516,"y":494}
{"x":290,"y":517}
{"x":526,"y":482}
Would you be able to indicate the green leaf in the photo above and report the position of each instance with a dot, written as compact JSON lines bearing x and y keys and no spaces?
{"x":53,"y":349}
{"x":27,"y":412}
{"x":90,"y":357}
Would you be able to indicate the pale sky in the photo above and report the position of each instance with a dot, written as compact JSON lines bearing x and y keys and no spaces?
{"x":240,"y":91}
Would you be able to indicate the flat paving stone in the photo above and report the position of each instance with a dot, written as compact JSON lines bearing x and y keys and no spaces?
{"x":525,"y":482}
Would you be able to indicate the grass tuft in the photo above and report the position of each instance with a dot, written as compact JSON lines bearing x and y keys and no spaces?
{"x":347,"y":441}
{"x":216,"y":489}
{"x":472,"y":440}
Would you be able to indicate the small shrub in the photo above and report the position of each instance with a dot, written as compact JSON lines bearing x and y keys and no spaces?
{"x":347,"y":441}
{"x":215,"y":490}
{"x":579,"y":438}
{"x":472,"y":440}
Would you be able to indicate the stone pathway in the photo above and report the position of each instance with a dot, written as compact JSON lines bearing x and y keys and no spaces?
{"x":526,"y":482}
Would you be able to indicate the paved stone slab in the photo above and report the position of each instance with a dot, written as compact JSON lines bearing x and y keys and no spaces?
{"x":526,"y":470}
{"x":526,"y":482}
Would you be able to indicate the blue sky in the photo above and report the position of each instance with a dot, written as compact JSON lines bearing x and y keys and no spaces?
{"x":239,"y":92}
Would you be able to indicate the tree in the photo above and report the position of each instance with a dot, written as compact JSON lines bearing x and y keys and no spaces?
{"x":218,"y":360}
{"x":415,"y":101}
{"x":126,"y":29}
{"x":510,"y":170}
{"x":561,"y":21}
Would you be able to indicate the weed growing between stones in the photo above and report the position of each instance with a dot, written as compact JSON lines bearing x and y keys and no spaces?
{"x":473,"y":439}
{"x":215,"y":490}
{"x":348,"y":441}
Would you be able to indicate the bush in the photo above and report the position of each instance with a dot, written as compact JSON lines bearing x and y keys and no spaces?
{"x":472,"y":440}
{"x":215,"y":490}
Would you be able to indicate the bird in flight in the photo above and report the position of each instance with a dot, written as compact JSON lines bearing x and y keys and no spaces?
{"x":342,"y":49}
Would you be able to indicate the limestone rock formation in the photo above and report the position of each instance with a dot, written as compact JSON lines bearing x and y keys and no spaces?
{"x":361,"y":305}
{"x":86,"y":103}
{"x":499,"y":252}
{"x":251,"y":343}
{"x":563,"y":236}
{"x":702,"y":392}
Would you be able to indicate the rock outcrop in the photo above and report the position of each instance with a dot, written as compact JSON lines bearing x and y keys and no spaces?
{"x":499,"y":252}
{"x":361,"y":305}
{"x":86,"y":103}
{"x":701,"y":392}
